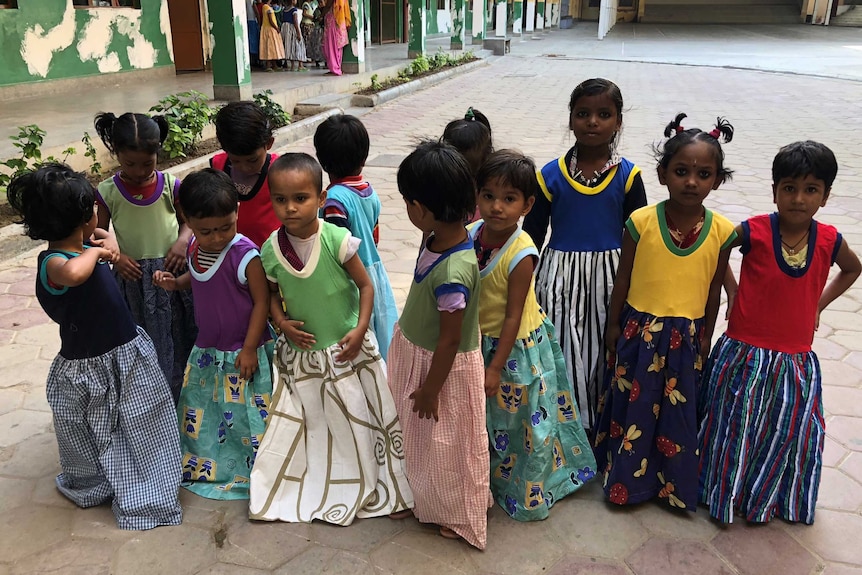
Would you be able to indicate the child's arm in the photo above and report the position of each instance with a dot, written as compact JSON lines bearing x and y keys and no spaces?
{"x":107,"y":240}
{"x":621,"y":291}
{"x":75,"y":271}
{"x":713,"y":301}
{"x":730,"y":285}
{"x":352,"y":342}
{"x":426,"y":398}
{"x":167,"y":281}
{"x":175,"y":259}
{"x":848,"y":263}
{"x":297,"y":18}
{"x":536,"y":222}
{"x":519,"y":286}
{"x":289,"y":327}
{"x":246,"y":361}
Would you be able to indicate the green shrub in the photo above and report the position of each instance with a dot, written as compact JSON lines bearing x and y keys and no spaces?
{"x":29,"y":141}
{"x":278,"y":118}
{"x":187,"y":113}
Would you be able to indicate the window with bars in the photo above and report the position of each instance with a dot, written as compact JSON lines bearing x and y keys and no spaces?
{"x":8,"y":4}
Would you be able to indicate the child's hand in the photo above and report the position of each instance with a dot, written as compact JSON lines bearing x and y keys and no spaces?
{"x":175,"y":259}
{"x":290,"y":329}
{"x":492,"y":381}
{"x":351,"y":344}
{"x":108,"y":243}
{"x":425,"y":403}
{"x":165,"y":280}
{"x":612,"y":335}
{"x":246,"y":361}
{"x":129,"y":269}
{"x":817,"y":321}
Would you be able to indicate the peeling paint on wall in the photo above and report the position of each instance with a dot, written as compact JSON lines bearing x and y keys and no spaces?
{"x":51,"y":39}
{"x":39,"y":45}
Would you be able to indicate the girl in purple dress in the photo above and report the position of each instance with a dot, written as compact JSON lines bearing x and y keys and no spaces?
{"x":224,"y":402}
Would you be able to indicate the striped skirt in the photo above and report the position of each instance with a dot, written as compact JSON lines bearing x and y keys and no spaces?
{"x":761,"y":433}
{"x":574,"y":289}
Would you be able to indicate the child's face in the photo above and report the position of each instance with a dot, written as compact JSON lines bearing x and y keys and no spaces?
{"x":214,"y":233}
{"x":501,"y":205}
{"x":137,"y":167}
{"x":691,"y":174}
{"x":251,"y":164}
{"x":296,"y":201}
{"x":594,"y":120}
{"x":798,"y":199}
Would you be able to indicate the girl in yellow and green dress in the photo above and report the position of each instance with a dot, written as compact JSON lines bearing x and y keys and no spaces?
{"x":539,"y":450}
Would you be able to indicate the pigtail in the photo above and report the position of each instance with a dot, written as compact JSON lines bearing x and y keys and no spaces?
{"x":722,"y":128}
{"x":675,"y":126}
{"x":104,"y":124}
{"x":162,"y":123}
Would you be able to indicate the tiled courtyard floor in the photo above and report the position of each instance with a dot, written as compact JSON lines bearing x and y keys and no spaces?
{"x":525,"y":96}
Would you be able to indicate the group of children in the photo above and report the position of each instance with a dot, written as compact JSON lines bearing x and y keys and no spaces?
{"x":305,"y":391}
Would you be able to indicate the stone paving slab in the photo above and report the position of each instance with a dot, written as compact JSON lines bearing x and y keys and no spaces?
{"x":525,"y":97}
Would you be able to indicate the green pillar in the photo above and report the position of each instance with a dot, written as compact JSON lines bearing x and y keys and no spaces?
{"x":230,"y":59}
{"x":517,"y":17}
{"x":353,"y":60}
{"x":416,"y":29}
{"x":457,"y":11}
{"x":540,"y":14}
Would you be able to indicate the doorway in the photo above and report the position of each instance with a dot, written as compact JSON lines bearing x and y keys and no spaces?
{"x":185,"y":16}
{"x":384,"y":21}
{"x":590,"y":10}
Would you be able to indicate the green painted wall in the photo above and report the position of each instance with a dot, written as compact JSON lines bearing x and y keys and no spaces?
{"x":49,"y":39}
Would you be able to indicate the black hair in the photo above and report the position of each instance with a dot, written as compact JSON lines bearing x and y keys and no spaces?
{"x":680,"y":137}
{"x":132,"y":132}
{"x":300,"y":162}
{"x":342,"y":145}
{"x":595,"y":87}
{"x":242,"y":128}
{"x":53,"y":201}
{"x":208,"y":193}
{"x":437,"y":176}
{"x":471,"y":132}
{"x":801,"y":159}
{"x":511,"y":168}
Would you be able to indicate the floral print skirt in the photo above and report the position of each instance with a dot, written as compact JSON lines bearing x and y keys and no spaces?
{"x":646,"y":440}
{"x":539,"y":450}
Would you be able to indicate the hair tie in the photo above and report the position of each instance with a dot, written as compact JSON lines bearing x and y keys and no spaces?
{"x":470,"y":115}
{"x":679,"y":129}
{"x":715,"y":133}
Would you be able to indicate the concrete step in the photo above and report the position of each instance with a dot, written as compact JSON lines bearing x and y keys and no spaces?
{"x":852,"y":18}
{"x":787,"y":13}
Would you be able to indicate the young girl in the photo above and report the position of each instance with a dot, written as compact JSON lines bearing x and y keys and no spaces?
{"x":245,"y":135}
{"x":113,"y":414}
{"x":435,"y":364}
{"x":271,"y":45}
{"x":471,"y":136}
{"x":341,"y":143}
{"x":224,"y":402}
{"x":332,"y":449}
{"x":661,"y":317}
{"x":761,"y":436}
{"x":587,"y":195}
{"x":142,"y":202}
{"x":539,"y":451}
{"x":291,"y":33}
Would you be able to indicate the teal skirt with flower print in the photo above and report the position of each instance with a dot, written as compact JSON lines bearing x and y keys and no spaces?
{"x":222,"y":418}
{"x":539,"y":451}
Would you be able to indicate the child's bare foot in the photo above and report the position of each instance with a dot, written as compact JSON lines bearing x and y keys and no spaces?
{"x":403,"y":514}
{"x":447,"y":533}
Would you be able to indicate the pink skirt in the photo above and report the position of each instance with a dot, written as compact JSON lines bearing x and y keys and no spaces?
{"x":447,"y":460}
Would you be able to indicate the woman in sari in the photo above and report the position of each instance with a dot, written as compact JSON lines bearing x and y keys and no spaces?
{"x":336,"y":21}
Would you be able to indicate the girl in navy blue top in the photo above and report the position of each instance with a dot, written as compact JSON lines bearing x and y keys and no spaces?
{"x":113,"y":412}
{"x":587,"y":195}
